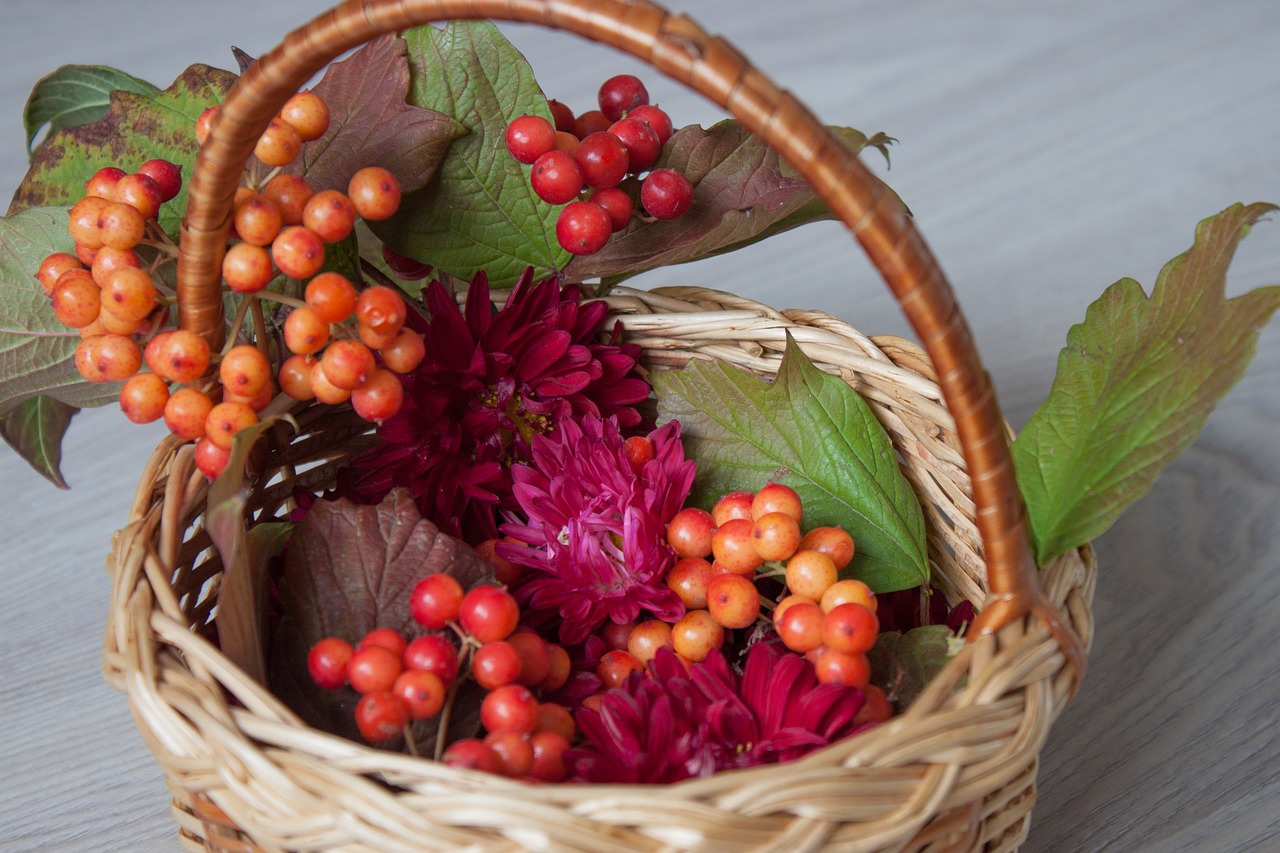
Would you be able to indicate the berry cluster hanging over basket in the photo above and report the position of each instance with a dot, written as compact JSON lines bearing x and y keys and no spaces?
{"x":458,"y":541}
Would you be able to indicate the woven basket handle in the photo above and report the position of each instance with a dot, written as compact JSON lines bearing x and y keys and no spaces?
{"x":679,"y":48}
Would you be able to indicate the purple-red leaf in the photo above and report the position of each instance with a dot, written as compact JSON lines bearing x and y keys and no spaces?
{"x":743,"y":192}
{"x":349,"y":568}
{"x":372,"y":124}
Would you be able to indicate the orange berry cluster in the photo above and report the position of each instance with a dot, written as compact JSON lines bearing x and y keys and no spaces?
{"x":470,"y":635}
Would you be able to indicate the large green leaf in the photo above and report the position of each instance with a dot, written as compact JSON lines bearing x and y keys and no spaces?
{"x":809,"y":430}
{"x":742,"y":193}
{"x":34,"y":429}
{"x":35,"y":348}
{"x":479,"y":212}
{"x":75,"y":95}
{"x":137,"y":127}
{"x":1135,"y":384}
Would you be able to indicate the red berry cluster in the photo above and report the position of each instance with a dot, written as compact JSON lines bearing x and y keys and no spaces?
{"x":593,"y":153}
{"x":470,"y":635}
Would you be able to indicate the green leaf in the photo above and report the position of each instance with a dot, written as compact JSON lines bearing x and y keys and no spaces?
{"x":371,"y":123}
{"x":813,"y":432}
{"x":75,"y":95}
{"x":1135,"y":385}
{"x":137,"y":127}
{"x":479,"y":212}
{"x":742,"y":193}
{"x":902,"y":664}
{"x":36,"y":350}
{"x":35,"y":429}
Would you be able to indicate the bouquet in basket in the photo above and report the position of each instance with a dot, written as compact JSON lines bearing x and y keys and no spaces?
{"x":545,"y":550}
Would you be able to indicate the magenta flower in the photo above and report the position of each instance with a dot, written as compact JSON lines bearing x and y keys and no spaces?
{"x":597,"y":529}
{"x":490,"y":382}
{"x":677,"y":725}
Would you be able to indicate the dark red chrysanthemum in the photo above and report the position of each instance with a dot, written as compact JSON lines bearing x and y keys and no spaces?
{"x":596,"y":527}
{"x":492,"y":380}
{"x":680,"y":724}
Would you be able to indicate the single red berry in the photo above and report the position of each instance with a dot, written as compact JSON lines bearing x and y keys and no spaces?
{"x":103,"y":182}
{"x":327,"y":662}
{"x":666,"y":194}
{"x":168,"y":177}
{"x":510,"y":708}
{"x":592,"y":121}
{"x":556,"y":177}
{"x":298,"y":251}
{"x":435,"y":600}
{"x":535,"y":656}
{"x":690,"y":531}
{"x":641,"y":141}
{"x":850,"y":628}
{"x":639,"y":452}
{"x":617,"y":204}
{"x":655,"y":118}
{"x":379,"y":398}
{"x":561,"y":116}
{"x":548,"y":756}
{"x":423,"y":693}
{"x":603,"y":159}
{"x":471,"y":754}
{"x":432,"y":653}
{"x":389,"y":638}
{"x":373,"y":668}
{"x":621,"y":93}
{"x":495,"y":664}
{"x":374,"y":192}
{"x":210,"y":458}
{"x":514,"y":751}
{"x":583,"y":227}
{"x":489,"y":613}
{"x":529,"y":137}
{"x":381,"y":715}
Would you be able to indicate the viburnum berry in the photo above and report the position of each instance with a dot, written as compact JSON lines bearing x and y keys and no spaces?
{"x":108,"y":358}
{"x":556,"y":177}
{"x":688,"y":579}
{"x":167,"y":175}
{"x":374,"y":192}
{"x":120,"y":226}
{"x":646,"y":638}
{"x":378,"y":399}
{"x":876,"y":707}
{"x":244,"y":370}
{"x":655,"y":118}
{"x":381,"y":715}
{"x":732,"y":600}
{"x":304,"y":332}
{"x":404,"y":353}
{"x":330,"y":214}
{"x":76,"y":298}
{"x":324,"y":390}
{"x":290,"y":194}
{"x":279,"y":144}
{"x":225,"y":420}
{"x":529,"y":137}
{"x":775,"y":536}
{"x":256,"y":401}
{"x":435,"y":600}
{"x":775,"y":497}
{"x":696,"y":634}
{"x":331,"y":296}
{"x":800,"y":626}
{"x":641,"y":141}
{"x":85,"y":254}
{"x":295,"y":376}
{"x":615,"y":666}
{"x":589,"y":122}
{"x":561,"y":116}
{"x":620,"y":94}
{"x":846,"y":592}
{"x":690,"y":531}
{"x":583,"y":227}
{"x":835,"y":542}
{"x":534,"y":654}
{"x":389,"y":638}
{"x":211,"y":459}
{"x":257,"y":220}
{"x":247,"y":268}
{"x":732,"y":505}
{"x":833,"y":667}
{"x":347,"y":363}
{"x":616,"y":634}
{"x":495,"y":664}
{"x":143,"y":398}
{"x":514,"y":751}
{"x":83,"y":219}
{"x":102,"y":183}
{"x":548,"y":756}
{"x":327,"y":662}
{"x":850,"y":628}
{"x":471,"y":754}
{"x":617,"y":204}
{"x":488,"y":613}
{"x":603,"y":159}
{"x":53,"y":266}
{"x":559,"y":668}
{"x":732,"y":547}
{"x":510,"y":708}
{"x":142,"y":192}
{"x":108,"y":260}
{"x":639,"y":452}
{"x":373,"y":668}
{"x":567,"y":142}
{"x":298,"y":251}
{"x":203,"y":123}
{"x":432,"y":653}
{"x":666,"y":194}
{"x":382,"y":309}
{"x":186,"y":412}
{"x":307,"y":113}
{"x":423,"y":693}
{"x":129,"y":293}
{"x":810,"y":573}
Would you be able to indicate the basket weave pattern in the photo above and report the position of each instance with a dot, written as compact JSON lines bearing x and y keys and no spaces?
{"x":966,"y":750}
{"x":955,"y":772}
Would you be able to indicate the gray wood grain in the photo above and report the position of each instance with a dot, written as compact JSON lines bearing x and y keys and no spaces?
{"x":1046,"y":148}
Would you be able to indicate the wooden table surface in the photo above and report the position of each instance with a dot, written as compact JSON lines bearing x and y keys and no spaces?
{"x":1047,"y":149}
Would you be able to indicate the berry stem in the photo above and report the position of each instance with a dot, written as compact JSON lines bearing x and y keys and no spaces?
{"x":408,"y":739}
{"x":283,"y":299}
{"x":241,"y":310}
{"x":260,"y":329}
{"x":442,"y":727}
{"x":369,"y":269}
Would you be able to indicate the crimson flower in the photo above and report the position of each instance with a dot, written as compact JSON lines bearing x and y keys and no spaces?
{"x":596,"y":528}
{"x":490,"y":382}
{"x":679,"y":724}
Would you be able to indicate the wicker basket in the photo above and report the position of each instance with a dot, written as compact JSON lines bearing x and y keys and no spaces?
{"x":955,"y":772}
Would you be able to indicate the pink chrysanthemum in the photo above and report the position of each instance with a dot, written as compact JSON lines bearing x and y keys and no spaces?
{"x":490,"y":382}
{"x":680,"y":724}
{"x":597,"y":529}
